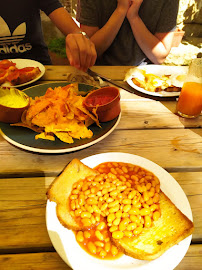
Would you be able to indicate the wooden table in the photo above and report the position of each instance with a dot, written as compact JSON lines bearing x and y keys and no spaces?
{"x":148,"y":128}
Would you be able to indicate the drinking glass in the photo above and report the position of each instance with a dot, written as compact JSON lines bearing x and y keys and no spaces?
{"x":189,"y":104}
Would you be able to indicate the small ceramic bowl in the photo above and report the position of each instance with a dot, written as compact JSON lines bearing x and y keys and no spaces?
{"x":107,"y":102}
{"x":13,"y":102}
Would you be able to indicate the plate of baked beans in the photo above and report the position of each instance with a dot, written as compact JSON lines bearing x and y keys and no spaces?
{"x":98,"y":210}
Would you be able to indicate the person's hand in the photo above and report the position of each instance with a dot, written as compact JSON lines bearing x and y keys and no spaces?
{"x":123,"y":4}
{"x":80,"y":51}
{"x":134,"y":9}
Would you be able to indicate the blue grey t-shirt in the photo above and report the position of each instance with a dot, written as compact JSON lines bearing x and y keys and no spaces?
{"x":20,"y":29}
{"x":159,"y":16}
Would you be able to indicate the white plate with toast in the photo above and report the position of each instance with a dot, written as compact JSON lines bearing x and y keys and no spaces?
{"x":23,"y":63}
{"x":158,"y":70}
{"x":65,"y":243}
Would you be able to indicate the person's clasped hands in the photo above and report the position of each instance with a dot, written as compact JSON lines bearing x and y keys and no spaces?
{"x":133,"y":9}
{"x":80,"y":51}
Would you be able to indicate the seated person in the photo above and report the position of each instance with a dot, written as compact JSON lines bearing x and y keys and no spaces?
{"x":21,"y":33}
{"x":129,"y":32}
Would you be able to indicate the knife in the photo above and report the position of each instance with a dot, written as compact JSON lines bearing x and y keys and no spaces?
{"x":96,"y":75}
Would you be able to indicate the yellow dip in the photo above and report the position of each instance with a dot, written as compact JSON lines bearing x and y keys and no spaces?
{"x":12,"y":98}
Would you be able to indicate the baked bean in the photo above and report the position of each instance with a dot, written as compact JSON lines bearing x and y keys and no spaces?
{"x":114,"y":209}
{"x":157,"y":188}
{"x":128,"y":233}
{"x":87,"y":192}
{"x":134,"y":211}
{"x":121,"y":188}
{"x":147,"y":222}
{"x":92,"y":247}
{"x":122,"y":178}
{"x":86,"y":222}
{"x":156,"y":198}
{"x":114,"y":203}
{"x":96,"y":209}
{"x":146,"y":196}
{"x":79,"y":236}
{"x":116,"y":221}
{"x":126,"y":208}
{"x":99,"y":235}
{"x":85,"y":215}
{"x":132,"y":194}
{"x":131,"y":226}
{"x":156,"y":215}
{"x":134,"y":219}
{"x":117,"y":235}
{"x":91,"y":201}
{"x":138,"y":230}
{"x":113,"y":229}
{"x":86,"y":234}
{"x":107,"y":247}
{"x":150,"y":201}
{"x":114,"y":250}
{"x":109,"y":200}
{"x":111,"y":217}
{"x":89,"y":208}
{"x":148,"y":186}
{"x":114,"y":193}
{"x":104,"y":206}
{"x":101,"y":226}
{"x":113,"y":171}
{"x":77,"y":212}
{"x":145,"y":211}
{"x":125,"y":215}
{"x":99,"y":244}
{"x":103,"y":253}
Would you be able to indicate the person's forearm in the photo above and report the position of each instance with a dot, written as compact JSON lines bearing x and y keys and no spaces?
{"x":104,"y":37}
{"x":152,"y":47}
{"x":64,"y":22}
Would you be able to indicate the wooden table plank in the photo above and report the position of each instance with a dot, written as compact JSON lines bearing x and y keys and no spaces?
{"x":51,"y":260}
{"x":172,"y":149}
{"x":151,"y":114}
{"x":23,"y":202}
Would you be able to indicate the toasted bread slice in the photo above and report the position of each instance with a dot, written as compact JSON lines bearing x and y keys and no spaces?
{"x":61,"y":188}
{"x":172,"y":227}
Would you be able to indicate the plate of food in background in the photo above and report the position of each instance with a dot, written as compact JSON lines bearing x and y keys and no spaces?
{"x":157,"y":80}
{"x":56,"y":120}
{"x":98,"y":211}
{"x":20,"y":72}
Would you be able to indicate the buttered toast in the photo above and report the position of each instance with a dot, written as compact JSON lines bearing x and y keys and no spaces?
{"x":61,"y":187}
{"x":172,"y":227}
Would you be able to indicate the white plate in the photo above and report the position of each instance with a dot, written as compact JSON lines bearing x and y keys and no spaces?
{"x":22,"y":63}
{"x":158,"y":70}
{"x":64,"y":240}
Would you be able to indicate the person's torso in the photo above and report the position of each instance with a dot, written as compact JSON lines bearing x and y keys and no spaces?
{"x":124,"y":49}
{"x":20,"y":31}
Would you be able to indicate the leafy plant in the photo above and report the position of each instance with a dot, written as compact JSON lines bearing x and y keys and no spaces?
{"x":57,"y":45}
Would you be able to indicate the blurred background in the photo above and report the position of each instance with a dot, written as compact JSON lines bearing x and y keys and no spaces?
{"x":187,"y":43}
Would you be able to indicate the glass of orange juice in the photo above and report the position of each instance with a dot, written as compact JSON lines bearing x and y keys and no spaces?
{"x":189,"y":104}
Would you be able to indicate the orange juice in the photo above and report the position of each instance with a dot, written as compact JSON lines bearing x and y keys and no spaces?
{"x":190,"y":101}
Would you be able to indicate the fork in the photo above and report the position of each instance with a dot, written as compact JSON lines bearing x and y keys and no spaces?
{"x":102,"y":83}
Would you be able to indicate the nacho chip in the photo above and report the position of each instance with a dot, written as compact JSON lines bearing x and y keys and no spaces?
{"x":45,"y":136}
{"x":59,"y":112}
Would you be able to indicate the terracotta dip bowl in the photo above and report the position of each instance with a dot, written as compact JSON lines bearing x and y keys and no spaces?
{"x":106,"y":102}
{"x":13,"y":102}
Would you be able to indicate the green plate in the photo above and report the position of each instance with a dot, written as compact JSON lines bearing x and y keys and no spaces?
{"x":24,"y":138}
